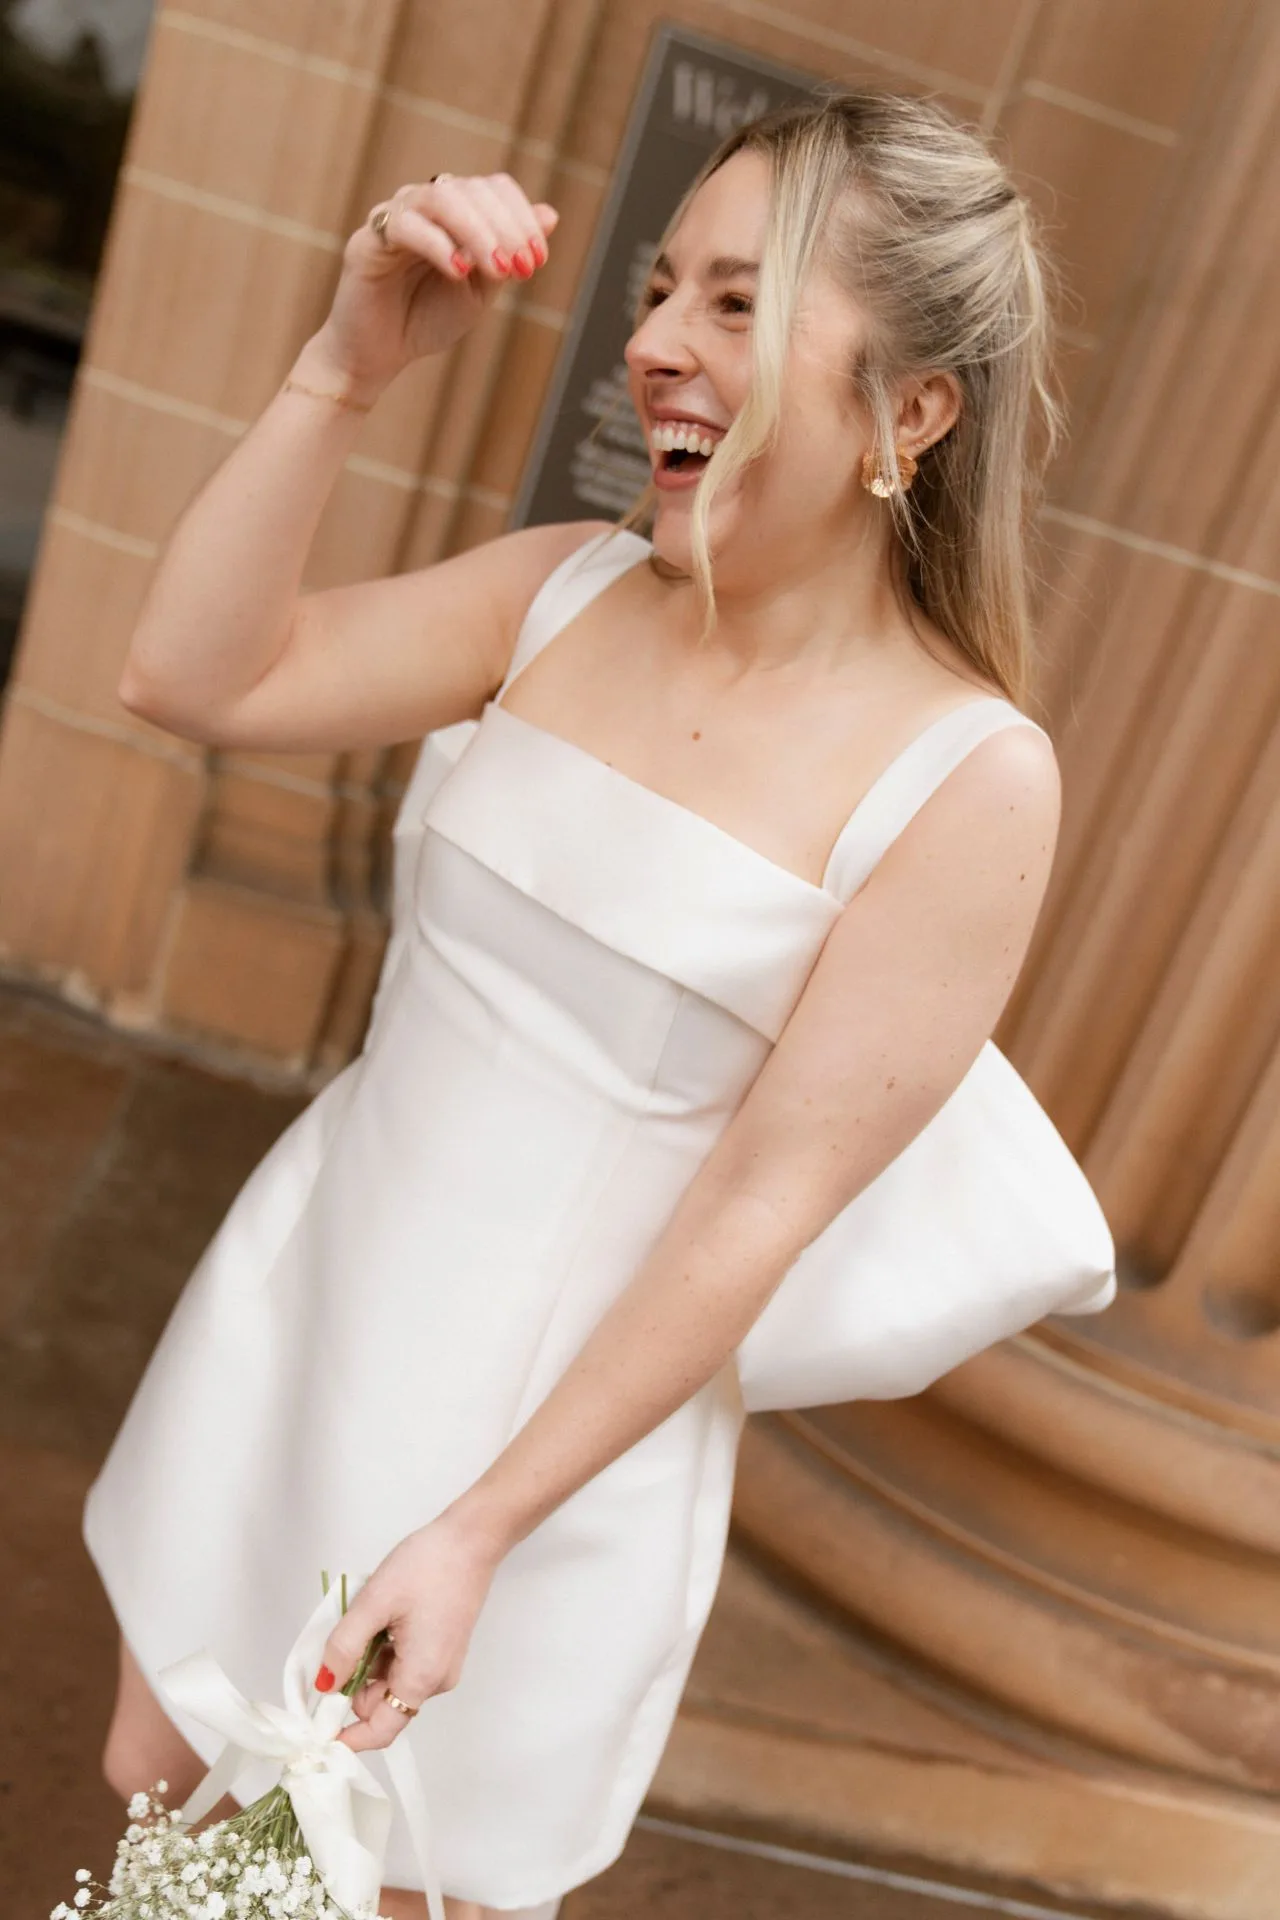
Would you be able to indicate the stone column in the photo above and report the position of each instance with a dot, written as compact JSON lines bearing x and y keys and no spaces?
{"x":238,"y":898}
{"x":1079,"y":1531}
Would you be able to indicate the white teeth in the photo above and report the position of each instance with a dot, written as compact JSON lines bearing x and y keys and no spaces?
{"x":667,"y":438}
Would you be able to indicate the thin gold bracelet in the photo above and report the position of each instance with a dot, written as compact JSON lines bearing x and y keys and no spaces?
{"x":319,"y":393}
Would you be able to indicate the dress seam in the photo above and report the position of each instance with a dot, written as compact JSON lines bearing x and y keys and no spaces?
{"x":654,"y":1699}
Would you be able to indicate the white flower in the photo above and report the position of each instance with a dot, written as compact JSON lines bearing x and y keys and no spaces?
{"x":61,"y":1912}
{"x":83,"y":1874}
{"x":215,"y":1906}
{"x":83,"y":1897}
{"x":139,"y":1806}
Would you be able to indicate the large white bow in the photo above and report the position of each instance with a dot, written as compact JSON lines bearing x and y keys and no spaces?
{"x":344,"y":1814}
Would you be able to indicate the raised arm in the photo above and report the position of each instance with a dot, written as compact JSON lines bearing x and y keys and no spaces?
{"x":227,"y":648}
{"x":909,"y":985}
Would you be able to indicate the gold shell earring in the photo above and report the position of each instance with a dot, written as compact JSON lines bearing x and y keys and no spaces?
{"x":876,"y":480}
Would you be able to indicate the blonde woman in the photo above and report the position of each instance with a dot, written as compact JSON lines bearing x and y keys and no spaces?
{"x":470,"y":1327}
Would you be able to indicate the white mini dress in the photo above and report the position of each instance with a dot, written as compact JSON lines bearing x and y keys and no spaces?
{"x":583,"y":981}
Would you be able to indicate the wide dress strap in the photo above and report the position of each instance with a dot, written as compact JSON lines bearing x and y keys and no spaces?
{"x":914,"y":776}
{"x":570,"y":587}
{"x":895,"y":796}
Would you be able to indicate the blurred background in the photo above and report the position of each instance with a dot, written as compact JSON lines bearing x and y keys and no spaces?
{"x":1013,"y":1643}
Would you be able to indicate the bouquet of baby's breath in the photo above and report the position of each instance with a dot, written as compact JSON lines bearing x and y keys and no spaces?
{"x":253,"y":1866}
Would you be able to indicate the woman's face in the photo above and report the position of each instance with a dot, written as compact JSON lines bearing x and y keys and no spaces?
{"x":689,"y":362}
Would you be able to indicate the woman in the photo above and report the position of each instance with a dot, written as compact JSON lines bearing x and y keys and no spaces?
{"x":472,"y":1322}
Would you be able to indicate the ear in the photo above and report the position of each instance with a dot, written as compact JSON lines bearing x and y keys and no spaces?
{"x":928,"y":407}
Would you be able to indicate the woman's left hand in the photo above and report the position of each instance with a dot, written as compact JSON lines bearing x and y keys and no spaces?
{"x":427,"y":1593}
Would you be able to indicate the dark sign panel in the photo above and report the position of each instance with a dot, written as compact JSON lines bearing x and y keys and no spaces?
{"x":589,"y":459}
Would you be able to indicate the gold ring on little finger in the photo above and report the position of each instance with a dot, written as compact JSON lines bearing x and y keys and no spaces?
{"x":378,"y":221}
{"x":394,"y":1700}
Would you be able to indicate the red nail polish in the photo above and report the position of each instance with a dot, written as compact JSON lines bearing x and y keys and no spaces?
{"x":539,"y":252}
{"x":500,"y":261}
{"x":459,"y":262}
{"x":324,"y":1681}
{"x":524,"y":264}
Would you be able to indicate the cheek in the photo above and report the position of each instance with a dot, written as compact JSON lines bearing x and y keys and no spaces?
{"x":815,"y":451}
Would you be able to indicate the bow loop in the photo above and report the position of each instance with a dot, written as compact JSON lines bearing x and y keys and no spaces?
{"x":344,"y":1814}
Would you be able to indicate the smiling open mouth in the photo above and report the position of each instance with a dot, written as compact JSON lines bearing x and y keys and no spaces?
{"x":682,"y":449}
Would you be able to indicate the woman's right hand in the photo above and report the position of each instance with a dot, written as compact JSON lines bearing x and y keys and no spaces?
{"x":429,"y":278}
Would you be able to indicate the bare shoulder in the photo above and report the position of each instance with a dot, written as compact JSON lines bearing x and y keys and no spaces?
{"x":987,"y":836}
{"x":1017,"y":769}
{"x":522,"y":559}
{"x":513,"y":567}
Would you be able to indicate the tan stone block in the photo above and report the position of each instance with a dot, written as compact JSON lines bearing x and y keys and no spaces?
{"x":355,"y":850}
{"x":476,"y":58}
{"x":363,"y":768}
{"x":1142,"y":57}
{"x":932,"y":41}
{"x":79,"y":618}
{"x":579,"y":203}
{"x":427,"y":537}
{"x":249,"y":970}
{"x":347,"y":1016}
{"x":1076,"y":367}
{"x":261,"y":832}
{"x":565,"y":49}
{"x":398,"y":767}
{"x":512,"y":414}
{"x":410,"y":140}
{"x":465,"y":401}
{"x":312,"y":769}
{"x":134,"y":467}
{"x":94,"y":839}
{"x":398,"y":431}
{"x":1097,"y":188}
{"x":239,"y":120}
{"x":833,"y":52}
{"x":477,"y":522}
{"x":360,"y":531}
{"x":202,"y":306}
{"x":1188,"y":454}
{"x":1073,"y":1823}
{"x":355,"y":33}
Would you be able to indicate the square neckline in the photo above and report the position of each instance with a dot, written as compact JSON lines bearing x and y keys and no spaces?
{"x":821,"y":888}
{"x":653,"y":794}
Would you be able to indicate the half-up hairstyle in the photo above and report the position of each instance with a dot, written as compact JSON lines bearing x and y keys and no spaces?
{"x":918,"y":221}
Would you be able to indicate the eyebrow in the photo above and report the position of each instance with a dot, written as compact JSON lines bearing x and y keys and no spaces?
{"x":725,"y":266}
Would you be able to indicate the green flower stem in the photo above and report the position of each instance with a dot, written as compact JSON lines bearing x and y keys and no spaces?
{"x":380,"y":1640}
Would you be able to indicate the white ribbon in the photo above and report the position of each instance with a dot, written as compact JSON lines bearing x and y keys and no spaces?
{"x":344,"y":1814}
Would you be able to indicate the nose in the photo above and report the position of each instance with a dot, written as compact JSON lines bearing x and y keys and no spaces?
{"x":660,"y":344}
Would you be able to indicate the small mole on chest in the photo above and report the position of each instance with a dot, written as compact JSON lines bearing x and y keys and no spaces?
{"x":697,"y":736}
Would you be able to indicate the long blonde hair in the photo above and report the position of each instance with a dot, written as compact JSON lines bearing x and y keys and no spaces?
{"x":919,"y":222}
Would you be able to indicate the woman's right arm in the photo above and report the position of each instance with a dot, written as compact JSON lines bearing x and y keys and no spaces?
{"x":227,"y":649}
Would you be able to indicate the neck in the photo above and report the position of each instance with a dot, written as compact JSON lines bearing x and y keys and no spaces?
{"x":814,"y":607}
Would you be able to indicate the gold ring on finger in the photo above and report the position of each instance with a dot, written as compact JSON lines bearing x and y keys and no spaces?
{"x":378,"y":221}
{"x":394,"y":1700}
